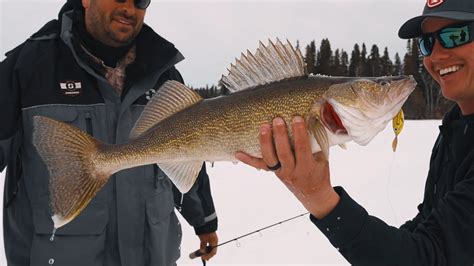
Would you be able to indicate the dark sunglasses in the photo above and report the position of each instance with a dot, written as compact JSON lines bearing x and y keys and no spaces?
{"x":141,"y":4}
{"x":449,"y":37}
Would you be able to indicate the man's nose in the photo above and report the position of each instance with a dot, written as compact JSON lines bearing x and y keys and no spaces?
{"x":128,"y":6}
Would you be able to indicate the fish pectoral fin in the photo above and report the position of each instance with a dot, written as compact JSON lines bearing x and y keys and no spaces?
{"x":182,"y":174}
{"x":320,"y":134}
{"x":170,"y":98}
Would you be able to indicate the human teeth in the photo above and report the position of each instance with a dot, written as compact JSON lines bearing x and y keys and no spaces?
{"x":445,"y":71}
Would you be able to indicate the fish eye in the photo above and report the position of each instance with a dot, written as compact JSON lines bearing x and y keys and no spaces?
{"x":384,"y":83}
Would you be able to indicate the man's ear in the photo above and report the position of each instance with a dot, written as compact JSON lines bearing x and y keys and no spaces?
{"x":85,"y":3}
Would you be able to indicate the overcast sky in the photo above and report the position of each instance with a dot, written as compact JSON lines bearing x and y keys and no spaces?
{"x":211,"y":34}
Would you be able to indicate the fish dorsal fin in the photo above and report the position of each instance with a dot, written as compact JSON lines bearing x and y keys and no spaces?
{"x":170,"y":98}
{"x":271,"y":63}
{"x":182,"y":174}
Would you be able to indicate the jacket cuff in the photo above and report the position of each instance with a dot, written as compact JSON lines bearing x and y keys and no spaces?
{"x":344,"y":222}
{"x":208,"y":227}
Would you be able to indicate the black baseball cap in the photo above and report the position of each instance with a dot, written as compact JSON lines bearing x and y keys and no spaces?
{"x":452,"y":9}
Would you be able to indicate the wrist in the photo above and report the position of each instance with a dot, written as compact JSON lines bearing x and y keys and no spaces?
{"x":321,"y":204}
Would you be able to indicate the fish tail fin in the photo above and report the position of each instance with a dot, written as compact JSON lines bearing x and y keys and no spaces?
{"x":73,"y":159}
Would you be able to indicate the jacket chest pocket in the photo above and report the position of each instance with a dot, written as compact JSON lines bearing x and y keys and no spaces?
{"x":94,"y":120}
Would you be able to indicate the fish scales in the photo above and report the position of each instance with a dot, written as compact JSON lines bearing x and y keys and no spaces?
{"x":215,"y":129}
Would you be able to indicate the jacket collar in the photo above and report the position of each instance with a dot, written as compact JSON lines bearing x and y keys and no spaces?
{"x":454,"y":120}
{"x":455,"y":115}
{"x":154,"y":55}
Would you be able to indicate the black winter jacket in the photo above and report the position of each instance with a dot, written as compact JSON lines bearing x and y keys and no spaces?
{"x":131,"y":221}
{"x":443,"y":231}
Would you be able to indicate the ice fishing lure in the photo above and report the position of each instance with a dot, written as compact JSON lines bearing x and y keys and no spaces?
{"x":397,"y":124}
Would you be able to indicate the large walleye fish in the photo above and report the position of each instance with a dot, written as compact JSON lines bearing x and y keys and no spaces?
{"x":178,"y":130}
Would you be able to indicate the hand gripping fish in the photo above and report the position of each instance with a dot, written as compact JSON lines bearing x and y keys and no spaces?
{"x":179,"y":130}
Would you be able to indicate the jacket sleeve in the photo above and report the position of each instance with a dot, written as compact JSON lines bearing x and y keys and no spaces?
{"x":197,"y":205}
{"x":413,"y":223}
{"x":366,"y":240}
{"x":9,"y":107}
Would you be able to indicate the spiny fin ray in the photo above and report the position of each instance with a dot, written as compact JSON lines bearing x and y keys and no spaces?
{"x":271,"y":63}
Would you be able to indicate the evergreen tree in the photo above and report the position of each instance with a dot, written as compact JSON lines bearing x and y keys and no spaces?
{"x":417,"y":102}
{"x":310,"y":57}
{"x":397,"y":66}
{"x":364,"y":69}
{"x":354,"y":65}
{"x":209,"y":91}
{"x":323,"y":63}
{"x":386,"y":64}
{"x":337,"y":67}
{"x":374,"y":64}
{"x":344,"y":63}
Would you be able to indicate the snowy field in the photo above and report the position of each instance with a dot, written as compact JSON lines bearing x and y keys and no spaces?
{"x":389,"y":185}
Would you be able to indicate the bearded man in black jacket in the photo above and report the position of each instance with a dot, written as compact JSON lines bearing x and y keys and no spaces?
{"x":95,"y":67}
{"x":443,"y":231}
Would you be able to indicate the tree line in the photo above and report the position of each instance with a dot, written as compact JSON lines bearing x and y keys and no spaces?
{"x":426,"y":102}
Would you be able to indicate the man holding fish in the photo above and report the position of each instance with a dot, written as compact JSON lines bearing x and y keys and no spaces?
{"x":95,"y":68}
{"x":443,"y":231}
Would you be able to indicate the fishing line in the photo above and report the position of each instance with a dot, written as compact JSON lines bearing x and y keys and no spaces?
{"x":199,"y":253}
{"x":388,"y":190}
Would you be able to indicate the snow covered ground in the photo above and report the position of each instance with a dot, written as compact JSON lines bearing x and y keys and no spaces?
{"x":389,"y":185}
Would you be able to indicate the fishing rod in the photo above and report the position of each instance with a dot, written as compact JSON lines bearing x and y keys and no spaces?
{"x":199,"y":252}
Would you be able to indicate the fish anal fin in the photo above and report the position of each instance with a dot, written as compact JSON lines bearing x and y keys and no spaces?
{"x":170,"y":98}
{"x":182,"y":174}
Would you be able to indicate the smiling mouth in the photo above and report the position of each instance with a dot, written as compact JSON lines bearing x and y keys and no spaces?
{"x":446,"y":71}
{"x":124,"y":21}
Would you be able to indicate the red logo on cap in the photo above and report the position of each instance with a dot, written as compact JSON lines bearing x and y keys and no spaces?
{"x":434,"y":3}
